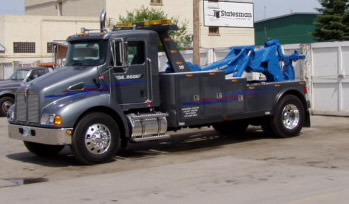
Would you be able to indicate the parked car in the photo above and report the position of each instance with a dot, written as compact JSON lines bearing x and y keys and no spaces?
{"x":8,"y":87}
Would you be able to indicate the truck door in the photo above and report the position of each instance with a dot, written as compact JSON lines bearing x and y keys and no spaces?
{"x":132,"y":82}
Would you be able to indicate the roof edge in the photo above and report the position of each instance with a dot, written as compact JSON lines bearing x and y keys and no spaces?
{"x":286,"y":15}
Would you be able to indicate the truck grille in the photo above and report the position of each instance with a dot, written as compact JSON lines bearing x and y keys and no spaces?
{"x":21,"y":107}
{"x":27,"y":108}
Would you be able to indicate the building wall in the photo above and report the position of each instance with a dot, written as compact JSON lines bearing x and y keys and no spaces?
{"x":83,"y":8}
{"x":183,"y":9}
{"x":41,"y":7}
{"x":2,"y":30}
{"x":38,"y":29}
{"x":90,"y":8}
{"x":290,"y":29}
{"x":36,"y":2}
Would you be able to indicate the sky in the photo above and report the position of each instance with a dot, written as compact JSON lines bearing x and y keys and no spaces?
{"x":263,"y":8}
{"x":272,"y":8}
{"x":11,"y":7}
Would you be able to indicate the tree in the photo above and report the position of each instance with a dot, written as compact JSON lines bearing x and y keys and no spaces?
{"x":182,"y":38}
{"x":332,"y":24}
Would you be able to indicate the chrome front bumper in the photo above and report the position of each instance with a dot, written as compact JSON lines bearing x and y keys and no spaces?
{"x":40,"y":135}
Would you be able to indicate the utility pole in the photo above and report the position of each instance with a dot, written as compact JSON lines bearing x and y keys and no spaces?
{"x":196,"y":28}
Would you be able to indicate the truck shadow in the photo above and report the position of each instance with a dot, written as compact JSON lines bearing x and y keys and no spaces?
{"x":63,"y":159}
{"x":201,"y":140}
{"x":180,"y":142}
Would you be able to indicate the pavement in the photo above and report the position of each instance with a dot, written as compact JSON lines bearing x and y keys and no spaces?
{"x":196,"y":166}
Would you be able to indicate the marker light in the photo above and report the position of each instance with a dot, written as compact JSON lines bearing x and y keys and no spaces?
{"x":58,"y":120}
{"x":146,"y":23}
{"x":69,"y":132}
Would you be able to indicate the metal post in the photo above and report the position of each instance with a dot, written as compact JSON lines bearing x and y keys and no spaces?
{"x":196,"y":27}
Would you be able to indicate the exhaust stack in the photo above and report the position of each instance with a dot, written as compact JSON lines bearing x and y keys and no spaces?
{"x":102,"y":20}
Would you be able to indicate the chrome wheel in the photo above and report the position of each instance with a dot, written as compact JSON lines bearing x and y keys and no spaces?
{"x":290,"y":116}
{"x":6,"y":105}
{"x":98,"y":138}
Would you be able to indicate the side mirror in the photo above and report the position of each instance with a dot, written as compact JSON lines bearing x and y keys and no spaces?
{"x":123,"y":53}
{"x":119,"y":53}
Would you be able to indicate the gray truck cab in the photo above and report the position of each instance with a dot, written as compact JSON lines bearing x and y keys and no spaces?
{"x":8,"y":87}
{"x":105,"y":73}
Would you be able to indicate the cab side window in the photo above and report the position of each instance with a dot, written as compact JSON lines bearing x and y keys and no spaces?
{"x":35,"y":74}
{"x":41,"y":72}
{"x":32,"y":75}
{"x":136,"y":52}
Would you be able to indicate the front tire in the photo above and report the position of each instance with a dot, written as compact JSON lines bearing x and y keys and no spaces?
{"x":43,"y":149}
{"x":5,"y":103}
{"x":96,"y":139}
{"x":288,"y":119}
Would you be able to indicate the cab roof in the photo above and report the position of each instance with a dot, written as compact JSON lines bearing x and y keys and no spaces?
{"x":128,"y":30}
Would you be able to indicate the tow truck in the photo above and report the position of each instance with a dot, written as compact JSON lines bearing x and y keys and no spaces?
{"x":110,"y":93}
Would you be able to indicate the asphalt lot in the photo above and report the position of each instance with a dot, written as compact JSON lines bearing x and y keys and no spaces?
{"x":195,"y":166}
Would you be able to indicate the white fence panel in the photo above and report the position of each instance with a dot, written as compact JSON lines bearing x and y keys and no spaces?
{"x":330,"y":79}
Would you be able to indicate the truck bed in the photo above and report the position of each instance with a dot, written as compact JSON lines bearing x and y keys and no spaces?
{"x":196,"y":98}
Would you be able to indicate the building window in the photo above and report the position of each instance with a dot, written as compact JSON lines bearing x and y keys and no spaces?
{"x":156,"y":2}
{"x":49,"y":47}
{"x":213,"y":30}
{"x":24,"y":47}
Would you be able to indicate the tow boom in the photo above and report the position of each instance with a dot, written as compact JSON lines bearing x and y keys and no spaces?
{"x":268,"y":61}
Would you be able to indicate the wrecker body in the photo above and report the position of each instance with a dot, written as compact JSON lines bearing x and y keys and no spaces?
{"x":111,"y":93}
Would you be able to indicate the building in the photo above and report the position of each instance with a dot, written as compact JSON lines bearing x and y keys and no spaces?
{"x":211,"y":36}
{"x":26,"y":39}
{"x":289,"y":29}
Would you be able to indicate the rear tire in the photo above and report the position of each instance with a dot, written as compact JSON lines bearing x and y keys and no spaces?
{"x":234,"y":127}
{"x":5,"y":103}
{"x":96,"y":139}
{"x":288,"y":119}
{"x":43,"y":149}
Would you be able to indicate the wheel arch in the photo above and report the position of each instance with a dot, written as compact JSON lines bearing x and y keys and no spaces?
{"x":119,"y":119}
{"x":300,"y":96}
{"x":7,"y":94}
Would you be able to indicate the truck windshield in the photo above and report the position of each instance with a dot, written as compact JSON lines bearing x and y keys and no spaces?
{"x":20,"y":74}
{"x":91,"y":53}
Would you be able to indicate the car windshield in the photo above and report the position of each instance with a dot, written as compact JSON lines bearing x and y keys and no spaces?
{"x":20,"y":74}
{"x":91,"y":53}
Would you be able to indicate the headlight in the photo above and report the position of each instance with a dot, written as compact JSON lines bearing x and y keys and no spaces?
{"x":51,"y":119}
